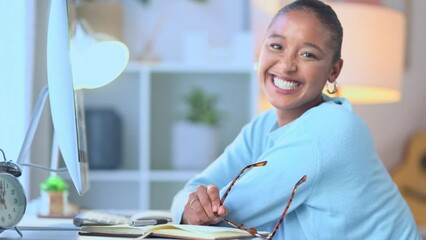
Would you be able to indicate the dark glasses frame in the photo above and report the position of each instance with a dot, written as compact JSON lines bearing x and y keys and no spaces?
{"x":254,"y":231}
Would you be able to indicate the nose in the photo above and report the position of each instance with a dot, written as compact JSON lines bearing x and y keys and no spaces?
{"x":288,"y":63}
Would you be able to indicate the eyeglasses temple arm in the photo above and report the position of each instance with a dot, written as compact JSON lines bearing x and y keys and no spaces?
{"x":302,"y":180}
{"x":259,"y":164}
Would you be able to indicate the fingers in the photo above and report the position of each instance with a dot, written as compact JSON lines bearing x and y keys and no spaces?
{"x":206,"y":202}
{"x":223,"y":211}
{"x":194,"y":211}
{"x":217,"y":209}
{"x":213,"y":193}
{"x":199,"y":208}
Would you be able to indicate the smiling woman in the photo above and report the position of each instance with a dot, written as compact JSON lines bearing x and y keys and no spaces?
{"x":306,"y":134}
{"x":298,"y":57}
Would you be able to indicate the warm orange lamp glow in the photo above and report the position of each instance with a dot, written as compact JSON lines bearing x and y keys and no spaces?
{"x":373,"y":53}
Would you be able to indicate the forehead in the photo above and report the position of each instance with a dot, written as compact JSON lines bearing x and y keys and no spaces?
{"x":302,"y":24}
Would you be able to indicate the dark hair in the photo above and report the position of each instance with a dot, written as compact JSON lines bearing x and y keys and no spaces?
{"x":325,"y":14}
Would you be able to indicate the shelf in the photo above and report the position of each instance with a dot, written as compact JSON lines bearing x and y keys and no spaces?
{"x":177,"y":67}
{"x":135,"y":175}
{"x":148,"y":100}
{"x":171,"y":175}
{"x":115,"y":175}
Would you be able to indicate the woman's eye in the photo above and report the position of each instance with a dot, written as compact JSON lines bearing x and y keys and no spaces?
{"x":308,"y":55}
{"x":275,"y":46}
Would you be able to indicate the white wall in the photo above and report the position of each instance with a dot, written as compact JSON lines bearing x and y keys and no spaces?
{"x":16,"y":68}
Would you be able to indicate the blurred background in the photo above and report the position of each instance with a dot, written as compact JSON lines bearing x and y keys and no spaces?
{"x":187,"y":55}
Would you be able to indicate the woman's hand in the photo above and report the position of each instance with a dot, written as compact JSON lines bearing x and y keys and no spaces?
{"x":203,"y":205}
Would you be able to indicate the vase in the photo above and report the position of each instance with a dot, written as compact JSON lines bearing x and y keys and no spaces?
{"x":194,"y":145}
{"x":54,"y":203}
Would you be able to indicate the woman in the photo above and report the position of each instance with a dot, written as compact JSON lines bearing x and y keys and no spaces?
{"x":348,"y":194}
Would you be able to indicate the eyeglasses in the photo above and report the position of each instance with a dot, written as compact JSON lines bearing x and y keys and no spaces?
{"x":253,"y":231}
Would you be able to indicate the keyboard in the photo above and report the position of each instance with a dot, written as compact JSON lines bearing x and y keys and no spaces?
{"x":99,"y":218}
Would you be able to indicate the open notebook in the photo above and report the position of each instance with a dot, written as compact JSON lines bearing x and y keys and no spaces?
{"x":169,"y":230}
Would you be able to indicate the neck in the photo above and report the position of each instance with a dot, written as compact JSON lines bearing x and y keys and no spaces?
{"x":286,"y":116}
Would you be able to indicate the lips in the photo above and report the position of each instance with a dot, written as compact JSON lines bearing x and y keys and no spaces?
{"x":285,"y":84}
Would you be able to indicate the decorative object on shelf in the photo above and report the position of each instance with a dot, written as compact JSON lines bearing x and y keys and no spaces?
{"x":195,"y":140}
{"x":54,"y":197}
{"x":104,"y":130}
{"x":410,"y":177}
{"x":202,"y":108}
{"x":104,"y":17}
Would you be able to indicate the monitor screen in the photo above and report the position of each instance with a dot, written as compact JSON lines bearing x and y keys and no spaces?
{"x":66,"y":105}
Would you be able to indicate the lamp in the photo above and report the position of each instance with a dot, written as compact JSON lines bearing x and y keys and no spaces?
{"x":373,"y":51}
{"x":95,"y":63}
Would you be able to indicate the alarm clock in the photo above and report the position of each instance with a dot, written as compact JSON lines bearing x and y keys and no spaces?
{"x":12,"y":197}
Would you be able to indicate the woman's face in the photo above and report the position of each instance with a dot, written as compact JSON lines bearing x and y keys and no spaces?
{"x":295,"y":62}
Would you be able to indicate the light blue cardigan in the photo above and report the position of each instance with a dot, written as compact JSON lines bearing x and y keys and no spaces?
{"x":348,"y":193}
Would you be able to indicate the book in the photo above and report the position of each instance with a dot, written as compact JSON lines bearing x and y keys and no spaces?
{"x":169,"y":230}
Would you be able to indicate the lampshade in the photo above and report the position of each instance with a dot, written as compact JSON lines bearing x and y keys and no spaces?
{"x":373,"y":53}
{"x":94,"y":62}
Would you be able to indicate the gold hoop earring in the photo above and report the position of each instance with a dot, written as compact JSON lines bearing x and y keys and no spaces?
{"x":334,"y":88}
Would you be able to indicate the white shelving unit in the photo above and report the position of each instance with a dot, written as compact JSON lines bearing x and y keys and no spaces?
{"x":148,"y":99}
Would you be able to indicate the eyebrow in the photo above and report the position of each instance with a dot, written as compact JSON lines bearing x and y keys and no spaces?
{"x":313,"y":46}
{"x":274,"y":35}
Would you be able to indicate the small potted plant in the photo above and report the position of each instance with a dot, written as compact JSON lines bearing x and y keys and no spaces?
{"x":54,"y":197}
{"x":194,"y":139}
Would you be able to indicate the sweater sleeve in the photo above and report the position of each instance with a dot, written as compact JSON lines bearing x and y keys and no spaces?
{"x":259,"y":198}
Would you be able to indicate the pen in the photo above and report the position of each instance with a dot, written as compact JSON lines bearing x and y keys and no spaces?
{"x":145,"y":222}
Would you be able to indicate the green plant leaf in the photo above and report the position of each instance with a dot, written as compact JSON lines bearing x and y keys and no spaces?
{"x":55,"y":184}
{"x":202,"y":107}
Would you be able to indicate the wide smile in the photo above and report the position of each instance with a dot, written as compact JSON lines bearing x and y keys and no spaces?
{"x":285,"y":84}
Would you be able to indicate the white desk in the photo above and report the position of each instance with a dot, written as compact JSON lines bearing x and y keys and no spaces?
{"x":39,"y":235}
{"x":33,"y":221}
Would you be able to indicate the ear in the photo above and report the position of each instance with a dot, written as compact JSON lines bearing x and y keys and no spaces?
{"x":335,"y":71}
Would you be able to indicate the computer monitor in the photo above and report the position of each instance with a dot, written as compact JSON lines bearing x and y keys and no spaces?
{"x":67,"y":69}
{"x":67,"y":110}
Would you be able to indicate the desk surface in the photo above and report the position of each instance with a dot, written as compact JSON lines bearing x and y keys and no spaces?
{"x":46,"y":235}
{"x":39,"y":235}
{"x":46,"y":225}
{"x":32,"y":221}
{"x":46,"y":231}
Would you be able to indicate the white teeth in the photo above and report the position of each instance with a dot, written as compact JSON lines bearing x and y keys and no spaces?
{"x":285,"y":85}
